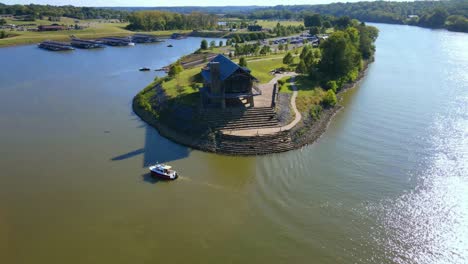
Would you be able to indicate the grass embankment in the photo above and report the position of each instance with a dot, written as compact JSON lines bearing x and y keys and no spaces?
{"x":309,"y":93}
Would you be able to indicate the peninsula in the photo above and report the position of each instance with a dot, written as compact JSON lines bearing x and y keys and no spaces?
{"x":258,"y":97}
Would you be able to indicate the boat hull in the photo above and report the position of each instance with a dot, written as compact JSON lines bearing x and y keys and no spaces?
{"x":162,"y":176}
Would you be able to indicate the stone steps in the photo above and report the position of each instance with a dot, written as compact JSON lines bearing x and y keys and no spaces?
{"x":236,"y":118}
{"x":254,"y":145}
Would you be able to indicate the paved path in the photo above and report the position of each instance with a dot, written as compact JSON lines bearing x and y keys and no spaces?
{"x":264,"y":100}
{"x":274,"y":130}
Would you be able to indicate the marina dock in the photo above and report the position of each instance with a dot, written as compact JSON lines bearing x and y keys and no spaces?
{"x":55,"y":45}
{"x":117,"y":41}
{"x":86,"y":44}
{"x":145,"y":38}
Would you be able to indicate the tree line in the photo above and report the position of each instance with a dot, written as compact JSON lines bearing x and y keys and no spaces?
{"x":160,"y":20}
{"x":450,"y":14}
{"x":33,"y":11}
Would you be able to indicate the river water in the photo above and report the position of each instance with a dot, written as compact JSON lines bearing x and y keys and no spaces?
{"x":387,"y":182}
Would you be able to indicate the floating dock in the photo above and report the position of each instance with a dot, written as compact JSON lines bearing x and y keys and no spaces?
{"x":145,"y":38}
{"x":55,"y":45}
{"x":86,"y":44}
{"x":117,"y":41}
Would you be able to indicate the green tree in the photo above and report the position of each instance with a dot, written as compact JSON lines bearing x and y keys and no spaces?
{"x":329,"y":99}
{"x":314,"y":30}
{"x":242,"y":62}
{"x":2,"y":34}
{"x":339,"y":56}
{"x":220,"y":43}
{"x":204,"y":45}
{"x":175,"y":69}
{"x":2,"y":22}
{"x":212,"y":44}
{"x":280,"y":46}
{"x":314,"y":20}
{"x":331,"y":85}
{"x":301,"y":67}
{"x":288,"y":59}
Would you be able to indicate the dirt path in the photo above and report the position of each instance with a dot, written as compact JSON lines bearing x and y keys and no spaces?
{"x":269,"y":131}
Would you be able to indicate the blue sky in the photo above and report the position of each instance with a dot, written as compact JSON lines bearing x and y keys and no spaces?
{"x":171,"y":2}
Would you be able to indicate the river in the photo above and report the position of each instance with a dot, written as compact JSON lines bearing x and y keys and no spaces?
{"x":387,"y":182}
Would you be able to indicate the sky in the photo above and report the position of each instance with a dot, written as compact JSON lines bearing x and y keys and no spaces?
{"x":172,"y":2}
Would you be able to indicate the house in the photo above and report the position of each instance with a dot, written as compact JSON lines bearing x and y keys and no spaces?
{"x":50,"y":28}
{"x":227,"y":84}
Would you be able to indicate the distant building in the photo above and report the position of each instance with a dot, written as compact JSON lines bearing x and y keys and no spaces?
{"x":50,"y":28}
{"x":227,"y":84}
{"x":254,"y":28}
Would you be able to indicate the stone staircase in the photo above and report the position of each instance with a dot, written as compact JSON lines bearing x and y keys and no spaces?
{"x":240,"y":118}
{"x":254,"y":145}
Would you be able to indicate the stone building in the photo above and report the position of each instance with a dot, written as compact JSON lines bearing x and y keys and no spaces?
{"x":226,"y":84}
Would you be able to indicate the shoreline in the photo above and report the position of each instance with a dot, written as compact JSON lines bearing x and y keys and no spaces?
{"x":306,"y":132}
{"x":19,"y":40}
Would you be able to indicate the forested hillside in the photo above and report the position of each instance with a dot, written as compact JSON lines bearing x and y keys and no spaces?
{"x":37,"y":11}
{"x":433,"y":14}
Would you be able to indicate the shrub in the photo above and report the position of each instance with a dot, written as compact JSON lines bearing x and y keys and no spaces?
{"x":204,"y":44}
{"x":331,"y":85}
{"x":242,"y":62}
{"x":329,"y":99}
{"x":315,"y":112}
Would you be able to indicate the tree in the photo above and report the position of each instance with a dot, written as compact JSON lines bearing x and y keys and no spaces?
{"x":436,"y":19}
{"x":288,"y":59}
{"x":220,"y":43}
{"x":339,"y":56}
{"x":2,"y":34}
{"x":204,"y":45}
{"x":314,"y":20}
{"x":212,"y":44}
{"x":314,"y":30}
{"x":242,"y":62}
{"x":301,"y":67}
{"x":175,"y":69}
{"x":2,"y":22}
{"x":331,"y":85}
{"x":280,"y":46}
{"x":343,"y":22}
{"x":329,"y":99}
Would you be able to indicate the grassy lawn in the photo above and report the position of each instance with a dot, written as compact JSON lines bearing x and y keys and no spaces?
{"x":309,"y":93}
{"x":261,"y":68}
{"x":272,"y":23}
{"x":183,"y":87}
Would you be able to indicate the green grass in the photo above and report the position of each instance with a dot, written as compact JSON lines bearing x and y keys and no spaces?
{"x":181,"y":87}
{"x":309,"y":93}
{"x":261,"y":68}
{"x":272,"y":23}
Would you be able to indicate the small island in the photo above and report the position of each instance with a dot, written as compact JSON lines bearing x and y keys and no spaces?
{"x":256,"y":98}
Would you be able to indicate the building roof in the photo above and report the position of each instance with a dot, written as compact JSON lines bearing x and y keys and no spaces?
{"x":226,"y":68}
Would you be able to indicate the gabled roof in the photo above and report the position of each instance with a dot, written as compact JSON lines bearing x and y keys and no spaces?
{"x":226,"y":68}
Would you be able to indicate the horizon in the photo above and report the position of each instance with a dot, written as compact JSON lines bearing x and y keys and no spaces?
{"x":177,"y":3}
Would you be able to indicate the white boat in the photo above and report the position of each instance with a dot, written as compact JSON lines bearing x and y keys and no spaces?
{"x":131,"y":44}
{"x":163,"y":171}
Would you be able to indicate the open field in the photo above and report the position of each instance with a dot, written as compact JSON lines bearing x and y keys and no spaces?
{"x":272,"y":23}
